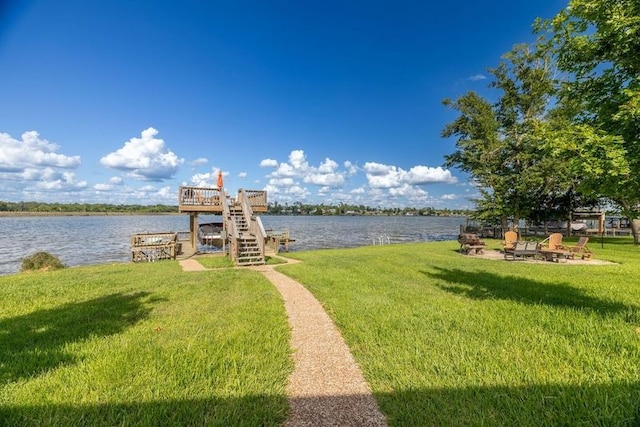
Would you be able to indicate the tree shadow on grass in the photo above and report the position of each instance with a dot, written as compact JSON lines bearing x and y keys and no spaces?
{"x":484,"y":285}
{"x":229,"y":411}
{"x":34,"y":343}
{"x":606,"y":404}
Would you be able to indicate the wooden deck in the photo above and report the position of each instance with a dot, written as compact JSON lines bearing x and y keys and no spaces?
{"x":150,"y":247}
{"x":209,"y":199}
{"x":278,"y":239}
{"x":242,"y":235}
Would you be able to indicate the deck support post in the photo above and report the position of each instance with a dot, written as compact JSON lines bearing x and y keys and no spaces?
{"x":193,"y":230}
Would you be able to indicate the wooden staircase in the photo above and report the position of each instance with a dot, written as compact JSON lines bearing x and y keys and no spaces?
{"x":245,"y":232}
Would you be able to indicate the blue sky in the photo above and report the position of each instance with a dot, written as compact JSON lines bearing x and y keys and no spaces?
{"x":107,"y":101}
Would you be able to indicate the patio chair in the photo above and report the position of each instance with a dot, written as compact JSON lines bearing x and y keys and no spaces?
{"x":553,"y":242}
{"x":552,"y":249}
{"x":581,"y":248}
{"x":522,"y":250}
{"x":509,"y":242}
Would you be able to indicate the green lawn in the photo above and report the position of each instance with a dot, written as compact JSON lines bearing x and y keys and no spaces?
{"x":446,"y":339}
{"x":142,"y":344}
{"x":442,"y":338}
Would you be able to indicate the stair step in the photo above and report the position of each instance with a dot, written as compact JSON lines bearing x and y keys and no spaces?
{"x":249,"y":252}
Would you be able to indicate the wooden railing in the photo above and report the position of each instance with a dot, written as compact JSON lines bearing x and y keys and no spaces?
{"x":231,"y":230}
{"x":209,"y":199}
{"x":198,"y":199}
{"x":255,"y":226}
{"x":256,"y":198}
{"x":153,"y":246}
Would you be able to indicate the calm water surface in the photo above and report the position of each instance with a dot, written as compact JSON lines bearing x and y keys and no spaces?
{"x":81,"y":240}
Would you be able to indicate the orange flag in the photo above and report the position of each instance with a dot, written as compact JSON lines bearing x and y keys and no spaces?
{"x":220,"y":184}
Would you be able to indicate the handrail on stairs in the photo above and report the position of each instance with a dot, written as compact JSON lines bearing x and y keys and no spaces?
{"x":255,"y":225}
{"x":230,"y":227}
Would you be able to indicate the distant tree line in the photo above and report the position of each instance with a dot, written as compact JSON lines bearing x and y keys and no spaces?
{"x":273,"y":208}
{"x":299,"y":208}
{"x":104,"y":208}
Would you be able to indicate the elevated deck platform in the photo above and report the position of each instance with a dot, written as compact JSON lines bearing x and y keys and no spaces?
{"x":209,"y":200}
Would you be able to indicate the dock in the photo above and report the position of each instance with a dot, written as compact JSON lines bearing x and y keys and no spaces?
{"x":277,"y":239}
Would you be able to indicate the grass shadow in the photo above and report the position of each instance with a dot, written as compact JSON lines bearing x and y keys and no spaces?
{"x":606,"y":404}
{"x":228,"y":411}
{"x":34,"y":343}
{"x":484,"y":285}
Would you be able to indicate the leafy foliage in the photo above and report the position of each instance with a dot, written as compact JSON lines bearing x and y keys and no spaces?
{"x":500,"y":144}
{"x":596,"y":43}
{"x":42,"y":261}
{"x":565,"y":130}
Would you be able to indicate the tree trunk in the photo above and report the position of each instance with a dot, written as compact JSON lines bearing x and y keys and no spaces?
{"x":505,"y":224}
{"x":635,"y":230}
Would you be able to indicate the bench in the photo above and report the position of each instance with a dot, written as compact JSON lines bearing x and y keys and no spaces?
{"x":522,"y":250}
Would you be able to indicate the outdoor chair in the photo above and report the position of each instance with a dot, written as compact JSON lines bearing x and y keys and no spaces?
{"x":553,"y":249}
{"x":553,"y":242}
{"x":581,"y":249}
{"x":522,"y":250}
{"x":509,"y":242}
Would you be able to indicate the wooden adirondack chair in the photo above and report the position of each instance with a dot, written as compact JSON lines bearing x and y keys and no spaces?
{"x":553,"y":242}
{"x":553,"y":249}
{"x":509,"y":242}
{"x":581,"y":249}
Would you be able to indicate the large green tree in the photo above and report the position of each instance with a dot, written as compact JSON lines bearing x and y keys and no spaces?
{"x":597,"y":45}
{"x":499,"y":144}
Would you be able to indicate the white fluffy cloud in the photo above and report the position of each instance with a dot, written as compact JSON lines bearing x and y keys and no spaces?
{"x":32,"y":152}
{"x":114,"y":182}
{"x":102,"y":187}
{"x":145,"y":158}
{"x":207,"y":179}
{"x":298,"y":160}
{"x":383,"y":182}
{"x":60,"y":181}
{"x":33,"y":168}
{"x":386,"y":176}
{"x":297,"y":169}
{"x":199,"y":162}
{"x":269,"y":163}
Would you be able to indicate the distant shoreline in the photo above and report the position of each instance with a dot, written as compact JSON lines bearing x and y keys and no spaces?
{"x":9,"y":214}
{"x":28,"y":214}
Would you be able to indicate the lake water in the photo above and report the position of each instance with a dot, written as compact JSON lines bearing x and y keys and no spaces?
{"x":81,"y":240}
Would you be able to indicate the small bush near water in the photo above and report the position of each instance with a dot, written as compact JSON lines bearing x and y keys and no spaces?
{"x":41,"y":261}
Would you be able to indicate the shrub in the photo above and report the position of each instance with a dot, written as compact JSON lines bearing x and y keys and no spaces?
{"x":42,"y":261}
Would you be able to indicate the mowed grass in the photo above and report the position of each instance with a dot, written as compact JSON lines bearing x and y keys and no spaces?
{"x":447,"y":339}
{"x":443,"y":339}
{"x":142,"y":344}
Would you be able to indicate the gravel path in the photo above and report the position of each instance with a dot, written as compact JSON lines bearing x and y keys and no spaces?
{"x":326,"y":387}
